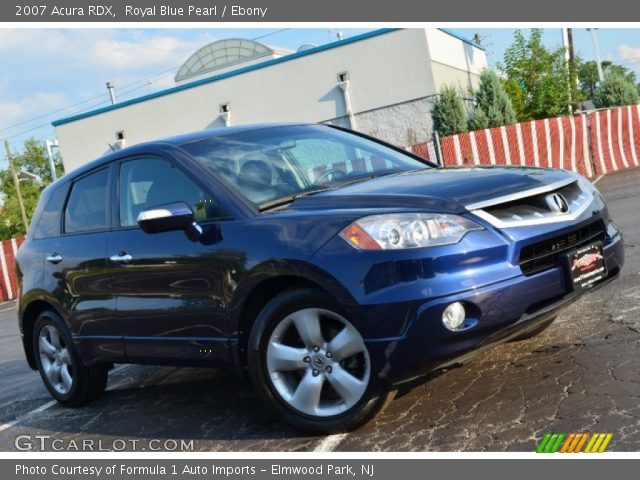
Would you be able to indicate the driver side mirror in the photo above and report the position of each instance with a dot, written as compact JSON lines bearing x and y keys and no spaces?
{"x":169,"y":217}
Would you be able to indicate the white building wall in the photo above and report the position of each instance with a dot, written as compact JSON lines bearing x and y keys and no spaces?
{"x":453,"y":61}
{"x":391,"y":83}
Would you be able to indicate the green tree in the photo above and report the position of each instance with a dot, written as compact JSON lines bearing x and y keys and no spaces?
{"x":448,"y":113}
{"x":615,"y":90}
{"x":588,"y":75}
{"x":493,"y":107}
{"x":588,"y":78}
{"x":516,"y":94}
{"x":33,"y":159}
{"x":540,"y":75}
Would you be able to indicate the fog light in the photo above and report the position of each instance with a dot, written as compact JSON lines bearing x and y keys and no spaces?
{"x":453,"y":316}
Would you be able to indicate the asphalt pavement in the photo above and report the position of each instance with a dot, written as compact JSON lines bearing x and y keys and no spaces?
{"x":580,"y":375}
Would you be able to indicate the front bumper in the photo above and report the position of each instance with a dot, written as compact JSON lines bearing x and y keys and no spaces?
{"x":500,"y":311}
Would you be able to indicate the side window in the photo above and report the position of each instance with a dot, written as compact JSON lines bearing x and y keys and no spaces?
{"x":87,"y":205}
{"x":47,"y":223}
{"x":147,"y":183}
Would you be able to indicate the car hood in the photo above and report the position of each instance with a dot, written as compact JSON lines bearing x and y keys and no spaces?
{"x":438,"y":189}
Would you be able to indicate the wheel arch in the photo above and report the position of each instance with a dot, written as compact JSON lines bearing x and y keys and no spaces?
{"x":30,"y":314}
{"x":268,"y":281}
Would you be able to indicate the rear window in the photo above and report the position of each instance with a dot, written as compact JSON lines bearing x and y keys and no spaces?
{"x":87,"y":206}
{"x":47,"y":216}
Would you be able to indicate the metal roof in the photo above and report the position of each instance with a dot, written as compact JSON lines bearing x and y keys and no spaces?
{"x":221,"y":54}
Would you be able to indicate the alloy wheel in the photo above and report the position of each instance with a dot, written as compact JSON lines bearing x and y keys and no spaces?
{"x":318,"y":362}
{"x":55,"y":359}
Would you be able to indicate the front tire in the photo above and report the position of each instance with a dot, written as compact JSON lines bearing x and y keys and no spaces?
{"x":310,"y":365}
{"x":68,"y":380}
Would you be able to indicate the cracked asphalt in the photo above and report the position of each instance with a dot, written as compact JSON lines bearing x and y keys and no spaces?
{"x":580,"y":375}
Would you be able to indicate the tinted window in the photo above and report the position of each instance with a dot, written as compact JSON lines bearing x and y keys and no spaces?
{"x":319,"y":157}
{"x":47,"y":223}
{"x":87,"y":206}
{"x":267,"y":164}
{"x":148,"y":183}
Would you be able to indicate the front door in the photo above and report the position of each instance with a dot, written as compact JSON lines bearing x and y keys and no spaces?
{"x":169,"y":289}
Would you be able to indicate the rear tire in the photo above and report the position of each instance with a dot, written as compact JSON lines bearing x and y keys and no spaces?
{"x":310,"y":365}
{"x":68,"y":380}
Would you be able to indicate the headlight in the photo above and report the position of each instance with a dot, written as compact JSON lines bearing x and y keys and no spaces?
{"x":407,"y":230}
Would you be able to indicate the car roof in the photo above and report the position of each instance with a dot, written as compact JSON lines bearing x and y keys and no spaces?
{"x":176,"y":140}
{"x":221,"y":132}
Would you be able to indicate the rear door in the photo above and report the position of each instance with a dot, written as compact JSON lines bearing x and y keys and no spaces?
{"x":44,"y":229}
{"x":170,"y":290}
{"x":76,"y":269}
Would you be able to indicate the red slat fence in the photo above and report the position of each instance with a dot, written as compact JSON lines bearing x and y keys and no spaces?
{"x":8,"y":275}
{"x":591,"y":144}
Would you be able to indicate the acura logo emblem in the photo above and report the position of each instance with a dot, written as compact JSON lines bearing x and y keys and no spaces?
{"x":318,"y":361}
{"x":557,"y":203}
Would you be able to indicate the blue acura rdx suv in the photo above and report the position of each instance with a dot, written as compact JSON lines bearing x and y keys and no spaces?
{"x":324,"y":265}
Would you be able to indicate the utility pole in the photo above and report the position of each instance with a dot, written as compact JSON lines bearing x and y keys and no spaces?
{"x":596,"y":48}
{"x":16,"y":182}
{"x":573,"y":75}
{"x":52,"y":166}
{"x":112,"y":92}
{"x":565,"y":47}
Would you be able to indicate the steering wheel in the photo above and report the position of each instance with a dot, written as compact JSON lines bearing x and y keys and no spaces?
{"x":337,"y":174}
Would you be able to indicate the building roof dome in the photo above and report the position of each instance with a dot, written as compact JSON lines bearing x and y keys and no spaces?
{"x":221,"y":54}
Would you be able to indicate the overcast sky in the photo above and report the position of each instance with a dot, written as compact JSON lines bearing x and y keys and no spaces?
{"x":54,"y":73}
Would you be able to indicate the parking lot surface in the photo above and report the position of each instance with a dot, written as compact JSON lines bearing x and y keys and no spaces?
{"x":580,"y":375}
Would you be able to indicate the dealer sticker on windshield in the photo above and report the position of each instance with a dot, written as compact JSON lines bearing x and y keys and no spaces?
{"x":586,"y":266}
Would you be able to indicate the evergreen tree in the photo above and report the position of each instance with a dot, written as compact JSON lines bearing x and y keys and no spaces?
{"x":615,"y":90}
{"x":448,"y":113}
{"x":493,"y":106}
{"x":588,"y":75}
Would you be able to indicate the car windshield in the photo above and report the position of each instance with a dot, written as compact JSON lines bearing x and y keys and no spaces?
{"x":273,"y":165}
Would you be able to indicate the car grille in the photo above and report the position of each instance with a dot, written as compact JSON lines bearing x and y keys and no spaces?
{"x":533,"y":207}
{"x":547,"y":254}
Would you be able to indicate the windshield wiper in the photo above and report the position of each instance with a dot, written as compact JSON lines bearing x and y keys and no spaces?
{"x":278,"y":202}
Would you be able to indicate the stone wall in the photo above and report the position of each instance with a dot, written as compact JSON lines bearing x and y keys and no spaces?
{"x":403,"y":124}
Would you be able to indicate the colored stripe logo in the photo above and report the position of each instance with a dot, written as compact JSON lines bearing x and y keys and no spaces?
{"x":574,"y":443}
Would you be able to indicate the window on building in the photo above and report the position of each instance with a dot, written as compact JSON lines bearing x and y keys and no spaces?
{"x":343,"y":76}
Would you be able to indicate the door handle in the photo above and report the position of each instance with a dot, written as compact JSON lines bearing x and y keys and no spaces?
{"x":122,"y":257}
{"x":54,"y":258}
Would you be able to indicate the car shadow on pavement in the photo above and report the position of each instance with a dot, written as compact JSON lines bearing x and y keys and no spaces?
{"x":177,"y":403}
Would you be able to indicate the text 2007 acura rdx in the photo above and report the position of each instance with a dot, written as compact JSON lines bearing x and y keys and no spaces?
{"x":324,"y":265}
